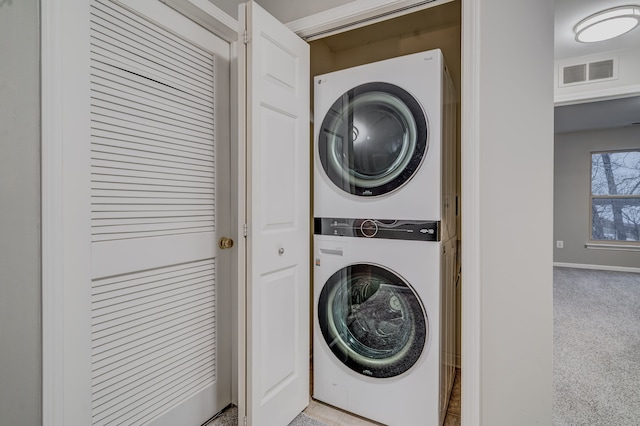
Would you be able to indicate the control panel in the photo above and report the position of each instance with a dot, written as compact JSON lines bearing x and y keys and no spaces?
{"x":378,"y":228}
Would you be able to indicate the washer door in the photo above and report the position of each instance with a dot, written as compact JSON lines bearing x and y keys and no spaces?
{"x":372,"y":320}
{"x":373,"y":139}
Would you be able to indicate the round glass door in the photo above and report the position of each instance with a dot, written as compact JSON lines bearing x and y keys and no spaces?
{"x":372,"y":320}
{"x":373,"y":139}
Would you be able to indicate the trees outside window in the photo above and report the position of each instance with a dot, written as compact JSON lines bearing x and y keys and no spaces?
{"x":615,"y":196}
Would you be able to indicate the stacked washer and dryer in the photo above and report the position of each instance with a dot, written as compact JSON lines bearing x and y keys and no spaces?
{"x":385,"y":230}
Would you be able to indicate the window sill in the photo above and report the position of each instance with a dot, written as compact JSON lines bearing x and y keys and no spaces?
{"x":618,"y":247}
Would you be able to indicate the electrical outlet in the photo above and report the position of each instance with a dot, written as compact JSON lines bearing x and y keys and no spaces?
{"x":560,"y":244}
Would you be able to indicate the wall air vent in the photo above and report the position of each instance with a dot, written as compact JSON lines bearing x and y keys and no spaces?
{"x":588,"y":72}
{"x":574,"y":74}
{"x":600,"y":70}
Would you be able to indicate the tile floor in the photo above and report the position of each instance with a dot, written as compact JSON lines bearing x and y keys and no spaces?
{"x":330,"y":416}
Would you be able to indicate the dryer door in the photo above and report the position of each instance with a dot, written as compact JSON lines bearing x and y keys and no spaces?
{"x":373,"y":139}
{"x":372,"y":320}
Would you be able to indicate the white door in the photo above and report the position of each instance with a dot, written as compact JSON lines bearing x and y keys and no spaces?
{"x":278,"y":241}
{"x":160,"y":200}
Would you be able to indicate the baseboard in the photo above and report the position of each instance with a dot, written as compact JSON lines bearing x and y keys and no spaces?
{"x":597,"y":267}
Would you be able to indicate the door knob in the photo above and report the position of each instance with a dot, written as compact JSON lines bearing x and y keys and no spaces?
{"x":225,"y":243}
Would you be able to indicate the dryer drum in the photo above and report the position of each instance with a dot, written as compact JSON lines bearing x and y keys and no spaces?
{"x":373,"y":139}
{"x":372,"y":320}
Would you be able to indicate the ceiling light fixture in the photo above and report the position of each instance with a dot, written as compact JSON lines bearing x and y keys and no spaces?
{"x":607,"y":24}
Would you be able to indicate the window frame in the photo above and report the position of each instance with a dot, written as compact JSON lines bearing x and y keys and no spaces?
{"x":612,"y":244}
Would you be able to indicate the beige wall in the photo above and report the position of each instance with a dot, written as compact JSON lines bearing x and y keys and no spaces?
{"x":572,"y":172}
{"x":437,"y":27}
{"x":20,"y":332}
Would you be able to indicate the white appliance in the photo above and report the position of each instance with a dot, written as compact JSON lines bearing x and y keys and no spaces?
{"x":383,"y":321}
{"x":382,"y":133}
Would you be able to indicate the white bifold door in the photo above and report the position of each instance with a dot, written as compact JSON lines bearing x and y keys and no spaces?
{"x":278,"y":294}
{"x":160,"y":202}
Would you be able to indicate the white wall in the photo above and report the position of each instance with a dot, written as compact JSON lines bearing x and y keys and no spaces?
{"x":571,"y":194}
{"x":507,"y":295}
{"x":20,"y":334}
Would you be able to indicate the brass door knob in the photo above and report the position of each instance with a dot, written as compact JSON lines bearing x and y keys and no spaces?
{"x":225,"y":243}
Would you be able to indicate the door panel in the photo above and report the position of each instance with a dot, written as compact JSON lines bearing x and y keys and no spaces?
{"x":160,"y":291}
{"x":278,"y":207}
{"x":278,"y":218}
{"x":279,"y":329}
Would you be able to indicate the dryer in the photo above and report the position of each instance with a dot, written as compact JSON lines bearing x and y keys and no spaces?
{"x":384,"y":140}
{"x":383,"y":343}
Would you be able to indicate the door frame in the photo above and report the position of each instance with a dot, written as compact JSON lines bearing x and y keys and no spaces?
{"x":55,"y":249}
{"x":363,"y":12}
{"x":65,"y":262}
{"x":61,"y":84}
{"x":356,"y":14}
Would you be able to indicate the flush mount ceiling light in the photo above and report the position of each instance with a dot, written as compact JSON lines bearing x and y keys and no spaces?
{"x":607,"y":24}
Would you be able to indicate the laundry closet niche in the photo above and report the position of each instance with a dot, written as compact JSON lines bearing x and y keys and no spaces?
{"x":437,"y":27}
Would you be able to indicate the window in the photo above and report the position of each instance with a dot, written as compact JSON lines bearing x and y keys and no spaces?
{"x":615,"y":196}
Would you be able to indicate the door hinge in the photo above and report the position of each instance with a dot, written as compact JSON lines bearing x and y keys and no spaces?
{"x":245,"y":36}
{"x":245,"y":230}
{"x":244,"y":421}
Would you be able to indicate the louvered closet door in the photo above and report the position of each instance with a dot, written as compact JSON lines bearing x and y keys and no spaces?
{"x":160,"y":309}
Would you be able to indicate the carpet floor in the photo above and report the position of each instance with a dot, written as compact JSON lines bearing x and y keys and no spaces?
{"x":596,"y":347}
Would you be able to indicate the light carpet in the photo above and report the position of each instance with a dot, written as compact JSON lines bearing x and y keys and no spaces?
{"x":596,"y":352}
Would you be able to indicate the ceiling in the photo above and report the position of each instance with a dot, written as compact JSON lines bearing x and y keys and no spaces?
{"x":594,"y":115}
{"x":598,"y":115}
{"x":569,"y":12}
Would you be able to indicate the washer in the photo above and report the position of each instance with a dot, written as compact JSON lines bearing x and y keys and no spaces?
{"x":378,"y":132}
{"x":379,"y":347}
